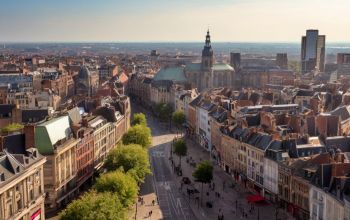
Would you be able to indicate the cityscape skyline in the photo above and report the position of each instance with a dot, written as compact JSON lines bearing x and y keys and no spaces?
{"x":158,"y":21}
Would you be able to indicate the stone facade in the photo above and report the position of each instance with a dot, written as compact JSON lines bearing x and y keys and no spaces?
{"x":22,"y":187}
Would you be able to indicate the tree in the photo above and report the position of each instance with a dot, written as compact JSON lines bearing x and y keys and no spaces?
{"x":178,"y":118}
{"x":203,"y":174}
{"x":180,"y":149}
{"x":163,"y":111}
{"x":139,"y":119}
{"x":138,"y":134}
{"x":132,"y":158}
{"x":92,"y":206}
{"x":12,"y":127}
{"x":119,"y":183}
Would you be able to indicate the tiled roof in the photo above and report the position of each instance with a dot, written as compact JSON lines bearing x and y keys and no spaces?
{"x":12,"y":165}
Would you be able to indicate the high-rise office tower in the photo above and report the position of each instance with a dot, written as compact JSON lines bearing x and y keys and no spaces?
{"x":313,"y":51}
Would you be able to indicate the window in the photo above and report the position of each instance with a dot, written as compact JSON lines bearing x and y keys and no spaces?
{"x":19,"y":204}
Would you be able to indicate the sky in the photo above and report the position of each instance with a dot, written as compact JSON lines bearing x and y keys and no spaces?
{"x":171,"y":20}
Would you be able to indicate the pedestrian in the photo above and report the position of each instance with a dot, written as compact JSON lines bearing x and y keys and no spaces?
{"x":153,"y":202}
{"x":150,"y":213}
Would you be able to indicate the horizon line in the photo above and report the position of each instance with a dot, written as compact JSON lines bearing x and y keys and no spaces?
{"x":170,"y":42}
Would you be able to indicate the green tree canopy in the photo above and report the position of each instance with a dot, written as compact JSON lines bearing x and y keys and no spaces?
{"x":139,"y":119}
{"x":203,"y":172}
{"x":12,"y":127}
{"x":94,"y":206}
{"x":132,"y":158}
{"x":163,"y":110}
{"x":178,"y":118}
{"x":138,"y":134}
{"x":180,"y":148}
{"x":124,"y":185}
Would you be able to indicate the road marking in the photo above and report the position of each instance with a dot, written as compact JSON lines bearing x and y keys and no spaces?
{"x":165,"y":185}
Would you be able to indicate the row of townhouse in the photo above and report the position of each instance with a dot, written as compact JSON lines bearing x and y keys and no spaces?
{"x":277,"y":151}
{"x":74,"y":146}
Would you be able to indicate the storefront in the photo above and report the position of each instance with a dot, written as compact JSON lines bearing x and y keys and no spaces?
{"x":270,"y":196}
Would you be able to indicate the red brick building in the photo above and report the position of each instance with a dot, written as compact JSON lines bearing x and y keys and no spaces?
{"x":84,"y":154}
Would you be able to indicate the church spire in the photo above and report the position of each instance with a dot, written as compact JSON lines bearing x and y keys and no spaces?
{"x":207,"y":53}
{"x":207,"y":39}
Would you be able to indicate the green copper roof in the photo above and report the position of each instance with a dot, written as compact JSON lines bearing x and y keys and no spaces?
{"x":47,"y":134}
{"x":222,"y":66}
{"x":193,"y":66}
{"x":171,"y":73}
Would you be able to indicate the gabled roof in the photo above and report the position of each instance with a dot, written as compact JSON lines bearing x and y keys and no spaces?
{"x":12,"y":165}
{"x":197,"y":100}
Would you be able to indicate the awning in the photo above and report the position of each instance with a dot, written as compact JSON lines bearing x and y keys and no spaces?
{"x":255,"y":198}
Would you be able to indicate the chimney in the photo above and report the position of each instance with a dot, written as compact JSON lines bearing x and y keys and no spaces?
{"x":84,"y":122}
{"x":29,"y":133}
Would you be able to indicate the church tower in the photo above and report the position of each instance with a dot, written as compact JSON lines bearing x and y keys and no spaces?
{"x":207,"y":54}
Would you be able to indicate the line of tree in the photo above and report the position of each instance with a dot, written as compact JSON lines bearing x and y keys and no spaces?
{"x":203,"y":174}
{"x":178,"y":118}
{"x":115,"y":191}
{"x":163,"y":111}
{"x":180,"y":148}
